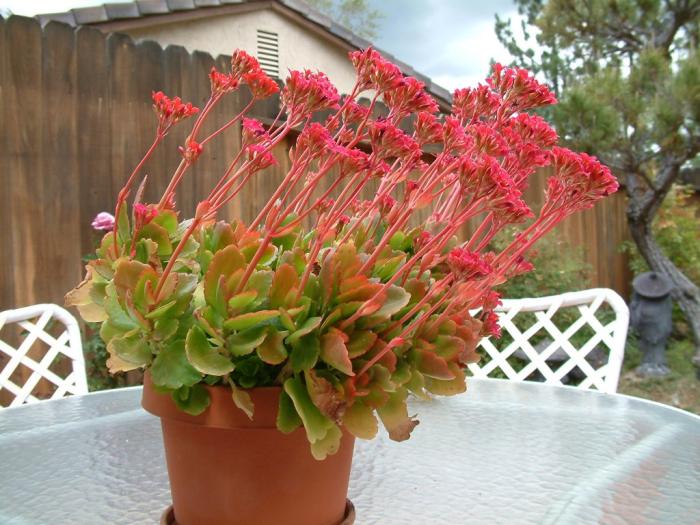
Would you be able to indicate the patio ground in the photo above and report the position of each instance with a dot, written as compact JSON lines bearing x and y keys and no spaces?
{"x":680,"y":389}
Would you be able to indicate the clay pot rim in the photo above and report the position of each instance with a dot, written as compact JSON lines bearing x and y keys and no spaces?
{"x":222,"y":411}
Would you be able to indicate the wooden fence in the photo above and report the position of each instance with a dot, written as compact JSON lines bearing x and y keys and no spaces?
{"x":76,"y":117}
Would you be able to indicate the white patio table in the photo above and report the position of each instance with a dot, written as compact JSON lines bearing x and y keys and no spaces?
{"x":511,"y":453}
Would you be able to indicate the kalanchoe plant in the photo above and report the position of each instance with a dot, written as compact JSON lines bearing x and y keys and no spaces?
{"x":355,"y":313}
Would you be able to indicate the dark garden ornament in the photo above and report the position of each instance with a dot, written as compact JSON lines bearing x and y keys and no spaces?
{"x":650,"y":317}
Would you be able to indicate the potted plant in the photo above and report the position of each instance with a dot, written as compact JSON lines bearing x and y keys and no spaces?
{"x":270,"y":345}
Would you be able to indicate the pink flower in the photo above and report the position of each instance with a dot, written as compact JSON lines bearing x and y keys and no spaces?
{"x":103,"y":221}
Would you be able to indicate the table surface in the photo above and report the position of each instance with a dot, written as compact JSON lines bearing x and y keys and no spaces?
{"x":504,"y":452}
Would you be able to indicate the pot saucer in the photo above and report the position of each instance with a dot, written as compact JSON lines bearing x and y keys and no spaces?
{"x":168,"y":517}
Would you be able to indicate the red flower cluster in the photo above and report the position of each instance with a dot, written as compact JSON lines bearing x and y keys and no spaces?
{"x":580,"y":180}
{"x":476,"y":168}
{"x":242,"y":63}
{"x":170,"y":110}
{"x":477,"y":103}
{"x":253,"y":130}
{"x":221,"y":82}
{"x":519,"y":89}
{"x":467,"y":265}
{"x":261,"y":86}
{"x":374,"y":71}
{"x":306,"y":92}
{"x":143,"y":214}
{"x":409,"y":96}
{"x":191,"y":152}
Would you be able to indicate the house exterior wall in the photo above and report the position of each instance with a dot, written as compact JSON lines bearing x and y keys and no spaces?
{"x":299,"y":48}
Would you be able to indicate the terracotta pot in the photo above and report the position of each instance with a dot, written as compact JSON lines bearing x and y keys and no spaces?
{"x":225,"y":469}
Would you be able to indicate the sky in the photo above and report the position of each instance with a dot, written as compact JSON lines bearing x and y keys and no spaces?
{"x":450,"y":41}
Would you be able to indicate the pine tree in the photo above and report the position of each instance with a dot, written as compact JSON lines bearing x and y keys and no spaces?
{"x":627,"y":74}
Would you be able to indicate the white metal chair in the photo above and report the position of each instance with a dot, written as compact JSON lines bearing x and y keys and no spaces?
{"x":599,"y":335}
{"x":37,"y":327}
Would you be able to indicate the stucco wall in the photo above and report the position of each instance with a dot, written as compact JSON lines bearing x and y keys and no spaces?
{"x":299,"y":48}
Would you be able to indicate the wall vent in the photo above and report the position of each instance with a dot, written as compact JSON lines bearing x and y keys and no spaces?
{"x":268,"y":52}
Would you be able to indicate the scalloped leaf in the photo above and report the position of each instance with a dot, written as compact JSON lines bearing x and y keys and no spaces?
{"x":203,"y":357}
{"x":240,"y":301}
{"x":244,"y":342}
{"x":305,"y":353}
{"x":159,"y":235}
{"x":132,"y":350}
{"x":326,"y":397}
{"x":192,"y":399}
{"x":309,"y":326}
{"x":361,"y":341}
{"x":242,"y":400}
{"x":224,"y":263}
{"x":395,"y":418}
{"x":396,"y":299}
{"x":288,"y":419}
{"x":245,"y":321}
{"x":360,"y":421}
{"x":316,"y":424}
{"x":334,"y":352}
{"x":449,"y":347}
{"x":272,"y":350}
{"x":285,"y":279}
{"x":171,"y":369}
{"x":432,"y":365}
{"x":328,"y":445}
{"x":450,"y":387}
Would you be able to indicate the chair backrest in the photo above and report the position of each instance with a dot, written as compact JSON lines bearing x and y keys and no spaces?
{"x":541,"y":336}
{"x":49,"y":326}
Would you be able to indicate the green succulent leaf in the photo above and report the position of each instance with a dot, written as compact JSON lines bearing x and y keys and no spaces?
{"x":449,"y":387}
{"x":328,"y":445}
{"x":224,"y":263}
{"x":449,"y":347}
{"x":242,"y":399}
{"x":360,"y":421}
{"x":334,"y":352}
{"x":203,"y":357}
{"x":240,"y":301}
{"x":305,"y":353}
{"x":161,"y":311}
{"x":396,"y":299}
{"x":171,"y":369}
{"x":244,"y":342}
{"x":360,"y":342}
{"x":164,"y":329}
{"x":316,"y":424}
{"x":245,"y":321}
{"x":288,"y":419}
{"x":395,"y":418}
{"x":432,"y":365}
{"x":167,"y":219}
{"x":159,"y":235}
{"x":133,"y":350}
{"x":283,"y":282}
{"x":123,"y":229}
{"x":309,"y":326}
{"x":192,"y":399}
{"x":272,"y":349}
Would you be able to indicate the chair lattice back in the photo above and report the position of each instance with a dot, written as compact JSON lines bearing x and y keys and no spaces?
{"x":574,"y":345}
{"x":40,"y":326}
